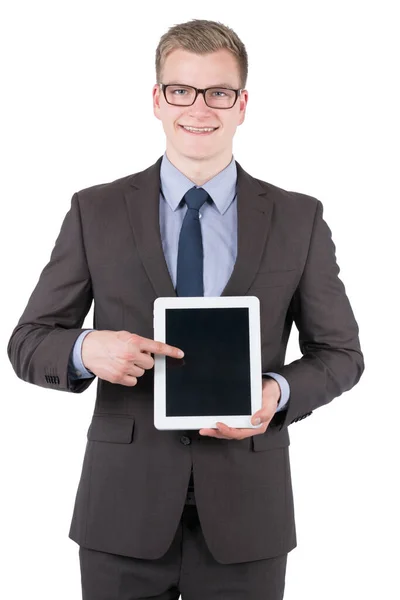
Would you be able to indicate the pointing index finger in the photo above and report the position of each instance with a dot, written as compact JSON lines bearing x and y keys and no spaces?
{"x":161,"y":348}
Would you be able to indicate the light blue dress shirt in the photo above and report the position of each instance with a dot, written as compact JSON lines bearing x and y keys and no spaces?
{"x":218,"y":218}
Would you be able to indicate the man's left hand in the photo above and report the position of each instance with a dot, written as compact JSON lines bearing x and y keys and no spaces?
{"x":271,"y":393}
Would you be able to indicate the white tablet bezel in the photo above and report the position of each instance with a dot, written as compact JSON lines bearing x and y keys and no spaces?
{"x":161,"y":421}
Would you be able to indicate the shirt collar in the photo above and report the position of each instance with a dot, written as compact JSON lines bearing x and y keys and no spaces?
{"x":221,"y":187}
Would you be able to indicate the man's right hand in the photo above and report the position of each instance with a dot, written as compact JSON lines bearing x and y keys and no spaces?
{"x":120,"y":356}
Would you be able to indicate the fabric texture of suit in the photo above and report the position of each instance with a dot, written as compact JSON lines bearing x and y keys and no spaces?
{"x":134,"y":477}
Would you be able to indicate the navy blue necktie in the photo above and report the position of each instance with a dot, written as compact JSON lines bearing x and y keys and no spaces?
{"x":189,"y":275}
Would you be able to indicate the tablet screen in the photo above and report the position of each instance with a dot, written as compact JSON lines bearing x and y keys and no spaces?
{"x":213,"y":378}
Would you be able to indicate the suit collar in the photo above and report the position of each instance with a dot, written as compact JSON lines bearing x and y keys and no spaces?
{"x":221,"y":187}
{"x":255,"y":208}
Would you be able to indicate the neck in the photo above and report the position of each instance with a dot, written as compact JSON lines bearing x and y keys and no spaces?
{"x":199,"y":170}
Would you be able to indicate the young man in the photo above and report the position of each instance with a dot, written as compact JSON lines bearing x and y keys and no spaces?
{"x":208,"y":514}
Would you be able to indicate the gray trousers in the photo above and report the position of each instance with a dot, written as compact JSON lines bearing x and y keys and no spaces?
{"x":187,"y":570}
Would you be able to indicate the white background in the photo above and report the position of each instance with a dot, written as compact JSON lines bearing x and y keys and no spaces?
{"x":322,"y":119}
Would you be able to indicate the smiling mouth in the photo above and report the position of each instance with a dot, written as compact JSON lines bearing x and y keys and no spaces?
{"x":199,"y":131}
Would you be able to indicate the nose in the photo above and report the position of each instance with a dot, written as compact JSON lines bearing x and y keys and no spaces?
{"x":200,"y":98}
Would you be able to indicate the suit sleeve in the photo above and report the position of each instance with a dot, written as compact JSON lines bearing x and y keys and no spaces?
{"x":42,"y":341}
{"x":332,"y":361}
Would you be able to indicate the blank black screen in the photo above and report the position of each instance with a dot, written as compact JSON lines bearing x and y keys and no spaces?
{"x":213,"y":378}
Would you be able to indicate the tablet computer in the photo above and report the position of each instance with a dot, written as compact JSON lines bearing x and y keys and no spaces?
{"x":220,"y":376}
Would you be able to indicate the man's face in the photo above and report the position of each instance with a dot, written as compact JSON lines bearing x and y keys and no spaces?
{"x":201,"y":71}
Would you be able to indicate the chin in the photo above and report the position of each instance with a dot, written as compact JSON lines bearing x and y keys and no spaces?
{"x":196,"y":154}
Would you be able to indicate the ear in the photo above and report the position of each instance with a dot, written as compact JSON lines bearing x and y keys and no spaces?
{"x":243,"y":100}
{"x":156,"y":101}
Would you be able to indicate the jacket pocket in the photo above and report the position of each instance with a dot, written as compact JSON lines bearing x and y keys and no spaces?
{"x":272,"y":438}
{"x":111,"y":428}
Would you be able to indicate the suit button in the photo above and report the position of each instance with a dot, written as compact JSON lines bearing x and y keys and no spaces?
{"x":185,"y":440}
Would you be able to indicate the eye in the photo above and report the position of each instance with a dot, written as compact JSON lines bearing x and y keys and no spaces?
{"x":174,"y":91}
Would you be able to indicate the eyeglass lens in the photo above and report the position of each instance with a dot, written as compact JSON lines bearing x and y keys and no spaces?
{"x":215,"y":97}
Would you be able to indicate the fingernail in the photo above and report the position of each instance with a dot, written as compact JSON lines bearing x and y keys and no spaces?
{"x":256,"y":421}
{"x":180,"y":353}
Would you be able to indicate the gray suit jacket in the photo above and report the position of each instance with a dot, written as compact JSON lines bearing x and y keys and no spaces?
{"x":134,"y":477}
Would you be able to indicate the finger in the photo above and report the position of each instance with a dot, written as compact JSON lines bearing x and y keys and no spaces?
{"x":135,"y":371}
{"x":250,"y":432}
{"x":239,"y":433}
{"x":213,"y":433}
{"x":223,"y":432}
{"x":264,"y":422}
{"x":156,"y":347}
{"x":210,"y":432}
{"x":142,"y":360}
{"x":129,"y":380}
{"x":233,"y":432}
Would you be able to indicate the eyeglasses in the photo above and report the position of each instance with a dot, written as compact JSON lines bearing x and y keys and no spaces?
{"x":214,"y":97}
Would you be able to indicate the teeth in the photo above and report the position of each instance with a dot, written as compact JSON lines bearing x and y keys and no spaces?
{"x":198,"y":129}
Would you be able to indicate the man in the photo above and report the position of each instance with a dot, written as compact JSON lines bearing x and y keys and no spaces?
{"x":205,"y":514}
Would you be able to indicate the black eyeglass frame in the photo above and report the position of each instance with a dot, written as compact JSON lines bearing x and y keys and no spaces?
{"x":198,"y":90}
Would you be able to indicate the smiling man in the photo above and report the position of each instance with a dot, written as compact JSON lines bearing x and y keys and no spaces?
{"x":185,"y":114}
{"x":208,"y":514}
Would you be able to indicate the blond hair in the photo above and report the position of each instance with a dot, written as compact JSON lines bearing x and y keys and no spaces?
{"x":202,"y":37}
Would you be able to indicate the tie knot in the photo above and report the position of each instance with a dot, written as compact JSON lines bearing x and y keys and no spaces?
{"x":195,"y":197}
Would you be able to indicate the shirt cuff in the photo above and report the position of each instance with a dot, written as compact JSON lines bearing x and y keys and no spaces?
{"x":76,"y":368}
{"x":285,"y":389}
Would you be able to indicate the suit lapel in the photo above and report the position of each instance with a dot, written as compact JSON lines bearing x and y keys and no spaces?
{"x":142,"y":202}
{"x":254,"y":206}
{"x":254,"y":209}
